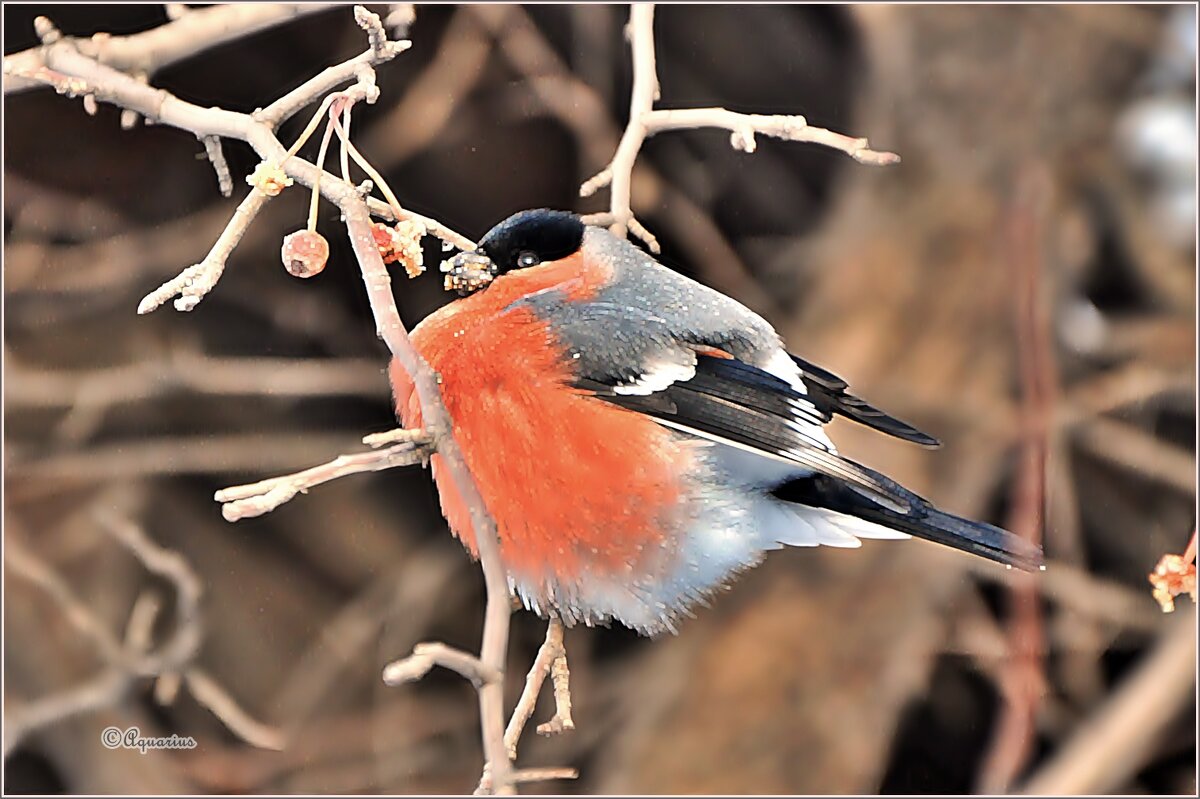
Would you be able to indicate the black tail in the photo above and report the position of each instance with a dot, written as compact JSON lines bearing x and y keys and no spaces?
{"x":922,"y":520}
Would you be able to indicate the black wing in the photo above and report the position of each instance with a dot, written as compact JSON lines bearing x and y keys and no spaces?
{"x":742,"y":405}
{"x":828,"y":393}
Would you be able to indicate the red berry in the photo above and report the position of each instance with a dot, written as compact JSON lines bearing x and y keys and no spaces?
{"x":305,"y":253}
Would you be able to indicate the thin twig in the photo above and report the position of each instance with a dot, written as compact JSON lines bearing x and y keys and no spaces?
{"x":212,"y":147}
{"x":743,"y":128}
{"x":543,"y":774}
{"x":645,"y":121}
{"x":324,"y":82}
{"x":255,"y":499}
{"x":209,"y":694}
{"x":425,"y":656}
{"x":192,"y":284}
{"x":1023,"y":681}
{"x":645,"y":88}
{"x":551,"y":656}
{"x":159,"y":47}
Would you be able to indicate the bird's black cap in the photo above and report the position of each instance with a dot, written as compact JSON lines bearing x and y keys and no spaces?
{"x":532,"y":237}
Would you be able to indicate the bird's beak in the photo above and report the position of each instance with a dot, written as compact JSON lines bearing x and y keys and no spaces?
{"x":469,"y":272}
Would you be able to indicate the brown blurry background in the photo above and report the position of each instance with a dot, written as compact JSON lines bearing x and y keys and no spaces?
{"x":1045,"y":149}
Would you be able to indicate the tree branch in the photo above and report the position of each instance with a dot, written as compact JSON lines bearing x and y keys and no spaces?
{"x":193,"y":284}
{"x":645,"y":121}
{"x":182,"y":38}
{"x":1112,"y":745}
{"x":551,"y":660}
{"x":255,"y":499}
{"x":88,"y":76}
{"x":132,"y":659}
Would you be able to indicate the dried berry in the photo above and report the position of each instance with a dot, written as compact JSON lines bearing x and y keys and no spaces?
{"x":401,"y":243}
{"x":305,"y":253}
{"x":269,"y":178}
{"x":1173,"y":576}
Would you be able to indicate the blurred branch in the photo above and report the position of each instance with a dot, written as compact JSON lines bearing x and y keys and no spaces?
{"x":209,"y":694}
{"x":200,"y":454}
{"x":1094,"y":597}
{"x":1114,"y":742}
{"x":421,"y":115}
{"x":74,"y":73}
{"x":132,"y":659}
{"x":195,"y":373}
{"x":1141,"y":452}
{"x":1023,"y":679}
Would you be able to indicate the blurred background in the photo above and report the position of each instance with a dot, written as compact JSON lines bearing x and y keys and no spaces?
{"x":1022,"y":286}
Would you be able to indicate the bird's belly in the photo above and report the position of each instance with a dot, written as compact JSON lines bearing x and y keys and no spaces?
{"x":600,"y":511}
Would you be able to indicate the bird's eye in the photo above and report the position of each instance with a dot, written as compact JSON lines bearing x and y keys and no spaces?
{"x":528,"y":258}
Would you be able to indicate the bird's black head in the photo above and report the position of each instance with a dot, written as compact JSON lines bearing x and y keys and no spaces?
{"x":532,"y":237}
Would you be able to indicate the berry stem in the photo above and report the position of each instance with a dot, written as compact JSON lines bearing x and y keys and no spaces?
{"x":348,"y":147}
{"x":316,"y":187}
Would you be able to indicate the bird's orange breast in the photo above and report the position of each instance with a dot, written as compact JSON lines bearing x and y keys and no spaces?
{"x":574,"y":483}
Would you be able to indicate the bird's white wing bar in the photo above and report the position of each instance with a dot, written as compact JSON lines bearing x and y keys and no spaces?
{"x":659,"y":375}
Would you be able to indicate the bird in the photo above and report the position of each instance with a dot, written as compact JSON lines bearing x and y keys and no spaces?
{"x":640,"y":439}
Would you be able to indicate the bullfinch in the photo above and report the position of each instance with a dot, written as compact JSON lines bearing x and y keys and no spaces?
{"x":639,"y":438}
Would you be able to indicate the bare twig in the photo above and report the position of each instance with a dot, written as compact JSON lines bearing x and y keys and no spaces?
{"x":437,"y":422}
{"x":551,"y":659}
{"x":322,"y":83}
{"x":543,"y":774}
{"x":743,"y":128}
{"x":167,"y":44}
{"x":581,"y":110}
{"x":112,"y":86}
{"x":255,"y":499}
{"x":425,"y":656}
{"x":560,"y":678}
{"x":209,"y":693}
{"x":645,"y":121}
{"x":212,"y":147}
{"x":645,"y":89}
{"x":193,"y":283}
{"x":394,"y":436}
